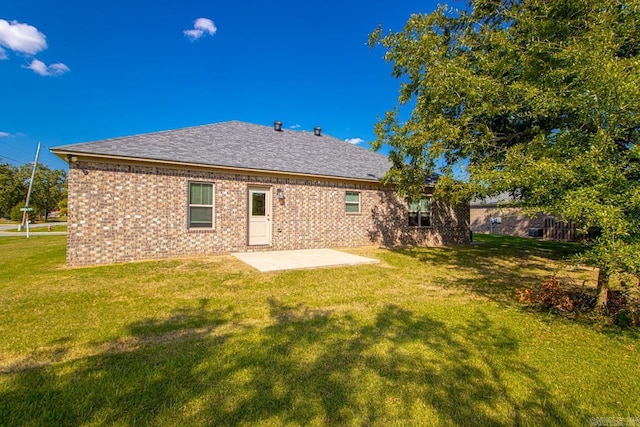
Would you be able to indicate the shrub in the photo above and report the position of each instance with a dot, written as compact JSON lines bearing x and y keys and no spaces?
{"x":622,"y":308}
{"x":16,"y":213}
{"x":623,"y":318}
{"x":623,"y":305}
{"x":553,"y":297}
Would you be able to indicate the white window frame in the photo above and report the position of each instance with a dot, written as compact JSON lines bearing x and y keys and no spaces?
{"x":348,"y":203}
{"x":195,"y":205}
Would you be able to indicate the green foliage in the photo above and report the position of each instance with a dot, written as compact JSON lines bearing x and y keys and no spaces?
{"x":12,"y":188}
{"x":538,"y":99}
{"x":623,"y":319}
{"x":49,"y":188}
{"x":63,"y":203}
{"x":16,"y":213}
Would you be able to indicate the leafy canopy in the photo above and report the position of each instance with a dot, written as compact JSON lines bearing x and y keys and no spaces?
{"x":49,"y":188}
{"x":537,"y":98}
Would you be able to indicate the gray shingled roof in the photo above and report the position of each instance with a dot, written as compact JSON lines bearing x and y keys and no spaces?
{"x":501,"y":199}
{"x":246,"y":146}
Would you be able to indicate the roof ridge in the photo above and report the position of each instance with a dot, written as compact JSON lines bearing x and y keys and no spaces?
{"x":235,"y":143}
{"x":159,"y":132}
{"x":155,"y":132}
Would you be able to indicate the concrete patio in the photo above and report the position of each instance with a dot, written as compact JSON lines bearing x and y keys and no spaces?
{"x":301,"y":259}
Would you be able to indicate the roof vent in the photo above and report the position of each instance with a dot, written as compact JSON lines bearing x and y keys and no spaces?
{"x":277,"y":126}
{"x":317,"y":131}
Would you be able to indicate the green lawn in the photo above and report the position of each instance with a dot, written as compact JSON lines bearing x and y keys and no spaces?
{"x":41,"y":229}
{"x":426,"y":337}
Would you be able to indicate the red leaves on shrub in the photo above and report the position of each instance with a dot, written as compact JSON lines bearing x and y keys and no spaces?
{"x":623,"y":308}
{"x":553,"y":297}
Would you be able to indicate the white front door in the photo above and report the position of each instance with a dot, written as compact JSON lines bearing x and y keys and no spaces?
{"x":259,"y":216}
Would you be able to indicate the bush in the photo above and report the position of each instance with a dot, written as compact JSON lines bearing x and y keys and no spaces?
{"x":16,"y":213}
{"x":553,"y":297}
{"x":622,"y":308}
{"x":624,"y":319}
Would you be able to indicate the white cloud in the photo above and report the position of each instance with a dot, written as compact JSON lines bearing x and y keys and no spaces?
{"x":22,"y":38}
{"x":52,"y":70}
{"x":296,"y":126}
{"x":26,"y":39}
{"x":354,"y":141}
{"x":58,"y":69}
{"x":201,"y":26}
{"x":4,"y":134}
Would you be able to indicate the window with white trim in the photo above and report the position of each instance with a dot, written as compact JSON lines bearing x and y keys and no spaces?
{"x":200,"y":205}
{"x":420,"y":212}
{"x":352,"y":202}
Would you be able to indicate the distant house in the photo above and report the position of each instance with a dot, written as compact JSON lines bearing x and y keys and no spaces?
{"x":494,"y":215}
{"x":235,"y":186}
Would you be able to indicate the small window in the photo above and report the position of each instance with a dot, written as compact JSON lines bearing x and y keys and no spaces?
{"x":420,"y":213}
{"x":352,"y":202}
{"x":258,"y":203}
{"x":200,"y":205}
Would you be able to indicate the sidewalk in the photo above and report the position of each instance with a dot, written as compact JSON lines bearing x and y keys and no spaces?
{"x":32,"y":233}
{"x":31,"y":226}
{"x":32,"y":230}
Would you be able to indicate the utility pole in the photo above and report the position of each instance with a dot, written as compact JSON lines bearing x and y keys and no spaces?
{"x":27,"y":209}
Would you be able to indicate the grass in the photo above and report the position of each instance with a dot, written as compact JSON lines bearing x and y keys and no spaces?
{"x":40,"y":229}
{"x":430,"y":336}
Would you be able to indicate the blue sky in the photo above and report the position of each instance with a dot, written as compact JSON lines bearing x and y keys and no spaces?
{"x":76,"y":71}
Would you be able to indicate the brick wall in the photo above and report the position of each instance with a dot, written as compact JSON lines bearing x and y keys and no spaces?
{"x":514,"y":221}
{"x":123,"y":212}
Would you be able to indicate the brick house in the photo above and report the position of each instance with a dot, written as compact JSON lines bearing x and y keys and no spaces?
{"x":235,"y":187}
{"x":513,"y":221}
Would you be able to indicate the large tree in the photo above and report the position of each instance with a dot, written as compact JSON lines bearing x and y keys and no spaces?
{"x":49,"y":188}
{"x":12,"y":188}
{"x":537,"y":98}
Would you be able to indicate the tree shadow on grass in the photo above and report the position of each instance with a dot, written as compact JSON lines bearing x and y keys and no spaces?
{"x":303,"y":366}
{"x":188,"y":319}
{"x":498,"y":266}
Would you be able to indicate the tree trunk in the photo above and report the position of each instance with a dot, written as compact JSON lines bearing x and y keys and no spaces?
{"x":602,"y":290}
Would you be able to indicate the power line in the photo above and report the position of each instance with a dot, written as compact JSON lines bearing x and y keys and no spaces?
{"x":14,"y":148}
{"x":20,"y":162}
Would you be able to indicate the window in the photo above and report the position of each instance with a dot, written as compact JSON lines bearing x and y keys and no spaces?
{"x":200,"y":205}
{"x":352,"y":202}
{"x":420,"y":213}
{"x":258,"y":203}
